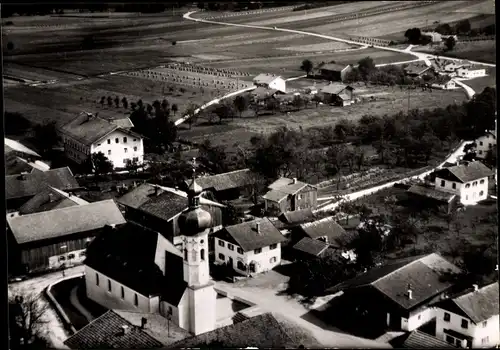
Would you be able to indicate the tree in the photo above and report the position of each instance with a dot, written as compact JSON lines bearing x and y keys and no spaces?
{"x":449,"y":42}
{"x":366,"y":67}
{"x":241,"y":103}
{"x":307,"y":66}
{"x":174,"y":108}
{"x":230,"y":215}
{"x":272,"y":105}
{"x":165,"y":105}
{"x":27,"y":321}
{"x":463,"y":27}
{"x":225,"y":111}
{"x":343,"y":128}
{"x":46,"y":136}
{"x":182,"y":90}
{"x":191,"y":114}
{"x":117,"y":102}
{"x":140,"y":104}
{"x":444,"y":29}
{"x":102,"y":101}
{"x":125,"y":102}
{"x":132,"y":166}
{"x":317,"y":99}
{"x":413,"y":35}
{"x":110,"y":101}
{"x":213,"y":158}
{"x":149,"y":109}
{"x":101,"y":164}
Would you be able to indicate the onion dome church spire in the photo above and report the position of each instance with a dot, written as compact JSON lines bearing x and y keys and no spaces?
{"x":195,"y":219}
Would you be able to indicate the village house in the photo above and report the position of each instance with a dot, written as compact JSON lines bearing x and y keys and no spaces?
{"x":88,"y":134}
{"x":158,"y":208}
{"x":21,"y":188}
{"x":270,"y":81}
{"x":261,"y":94}
{"x":398,"y":294}
{"x":227,"y":186}
{"x":289,"y":220}
{"x":50,"y":198}
{"x":338,"y":94}
{"x":419,"y":340}
{"x":470,"y":320}
{"x":250,"y":247}
{"x":486,"y":143}
{"x":468,"y":181}
{"x":137,"y":269}
{"x":308,"y":248}
{"x":416,"y":69}
{"x":334,"y":71}
{"x":59,"y":237}
{"x":289,"y":195}
{"x":446,"y":83}
{"x":326,"y":230}
{"x":430,"y":197}
{"x":470,"y":72}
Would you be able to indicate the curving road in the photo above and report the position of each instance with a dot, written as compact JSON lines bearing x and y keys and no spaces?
{"x":420,"y":55}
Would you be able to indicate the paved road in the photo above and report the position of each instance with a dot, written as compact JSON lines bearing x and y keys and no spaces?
{"x":327,"y":335}
{"x":420,"y":55}
{"x":54,"y":329}
{"x":470,"y":91}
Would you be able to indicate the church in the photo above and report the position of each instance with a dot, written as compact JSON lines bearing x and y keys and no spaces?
{"x":132,"y":268}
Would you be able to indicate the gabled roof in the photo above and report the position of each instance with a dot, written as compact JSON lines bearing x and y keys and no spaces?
{"x":163,"y":202}
{"x":334,"y":67}
{"x":287,"y":185}
{"x":297,"y":216}
{"x":335,"y":88}
{"x":425,"y":275}
{"x":50,"y":199}
{"x":416,"y":69}
{"x":88,"y":129}
{"x":105,"y":333}
{"x":64,"y":221}
{"x":17,"y":186}
{"x":124,"y":123}
{"x":246,"y":236}
{"x":262,"y":331}
{"x":324,"y":227}
{"x":265,"y":78}
{"x":224,"y":181}
{"x":262,"y":92}
{"x":275,"y":196}
{"x":127,"y":255}
{"x":479,"y":305}
{"x":465,"y":172}
{"x":431,"y":193}
{"x":311,"y":246}
{"x":16,"y":165}
{"x":421,"y":340}
{"x":16,"y":146}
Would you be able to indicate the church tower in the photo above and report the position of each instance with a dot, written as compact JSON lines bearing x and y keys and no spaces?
{"x":194,"y":225}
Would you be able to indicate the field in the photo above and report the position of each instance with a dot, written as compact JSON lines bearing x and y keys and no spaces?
{"x":478,"y":84}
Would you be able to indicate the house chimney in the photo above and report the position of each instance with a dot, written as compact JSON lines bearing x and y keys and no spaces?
{"x":125,"y":329}
{"x":476,"y":287}
{"x":294,"y":180}
{"x":143,"y":322}
{"x":257,"y":227}
{"x":410,"y":292}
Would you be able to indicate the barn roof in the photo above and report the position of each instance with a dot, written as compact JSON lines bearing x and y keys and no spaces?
{"x":465,"y":172}
{"x":266,"y":78}
{"x":421,"y":340}
{"x":424,"y":274}
{"x":49,"y":199}
{"x":334,"y":67}
{"x":311,"y":246}
{"x":431,"y":192}
{"x":17,"y":186}
{"x":246,"y":236}
{"x":335,"y":88}
{"x":287,"y":185}
{"x":297,"y":216}
{"x":64,"y":221}
{"x":224,"y":181}
{"x":16,"y":165}
{"x":324,"y":227}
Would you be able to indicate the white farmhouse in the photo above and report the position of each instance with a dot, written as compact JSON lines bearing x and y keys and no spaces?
{"x":88,"y":134}
{"x":250,"y":247}
{"x":469,"y":181}
{"x":485,"y":143}
{"x":470,"y":72}
{"x":270,"y":81}
{"x":470,"y":320}
{"x":445,"y":84}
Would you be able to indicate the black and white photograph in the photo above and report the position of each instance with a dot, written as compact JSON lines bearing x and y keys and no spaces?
{"x":250,"y":174}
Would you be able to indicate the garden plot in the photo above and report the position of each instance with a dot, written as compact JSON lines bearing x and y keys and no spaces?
{"x":194,"y":76}
{"x":326,"y":46}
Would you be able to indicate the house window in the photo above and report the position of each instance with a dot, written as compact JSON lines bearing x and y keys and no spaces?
{"x":447,"y":317}
{"x":485,"y":340}
{"x":96,"y":279}
{"x":481,"y":193}
{"x":117,"y":140}
{"x":109,"y":285}
{"x":98,"y":144}
{"x":202,"y":254}
{"x":480,"y":143}
{"x":221,"y":243}
{"x":136,"y":300}
{"x":221,"y":256}
{"x":62,"y":258}
{"x":481,"y":182}
{"x":125,"y":150}
{"x":109,"y":141}
{"x":273,"y":260}
{"x":442,"y":183}
{"x":124,"y":140}
{"x":230,"y":246}
{"x":258,"y":251}
{"x":71,"y":256}
{"x":485,"y":323}
{"x":135,"y":140}
{"x":239,"y":250}
{"x":109,"y":152}
{"x":135,"y":159}
{"x":450,"y":340}
{"x":135,"y":149}
{"x":126,"y":160}
{"x":454,"y":185}
{"x":123,"y":292}
{"x":465,"y":324}
{"x":273,"y":246}
{"x":474,"y":183}
{"x":467,"y":185}
{"x":185,"y":254}
{"x":241,"y":266}
{"x":480,"y":152}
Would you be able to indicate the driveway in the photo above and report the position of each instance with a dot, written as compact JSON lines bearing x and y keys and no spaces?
{"x":262,"y":292}
{"x":54,"y":328}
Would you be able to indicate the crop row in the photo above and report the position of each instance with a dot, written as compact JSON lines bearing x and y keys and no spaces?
{"x":205,"y":70}
{"x":254,"y":12}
